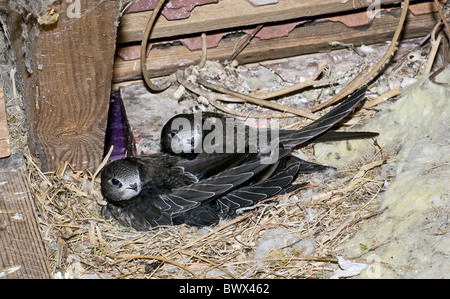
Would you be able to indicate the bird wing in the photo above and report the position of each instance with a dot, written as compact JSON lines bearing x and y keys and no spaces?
{"x":296,"y":137}
{"x":308,"y":167}
{"x":206,"y":165}
{"x":188,"y":197}
{"x":252,"y":194}
{"x":140,"y":216}
{"x":338,"y":136}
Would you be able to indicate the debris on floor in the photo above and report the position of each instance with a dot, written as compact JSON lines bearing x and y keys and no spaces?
{"x":411,"y":231}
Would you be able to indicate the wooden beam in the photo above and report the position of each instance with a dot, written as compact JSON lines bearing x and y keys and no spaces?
{"x":231,"y":14}
{"x":301,"y":40}
{"x":67,"y":73}
{"x":22,"y":252}
{"x":5,"y":149}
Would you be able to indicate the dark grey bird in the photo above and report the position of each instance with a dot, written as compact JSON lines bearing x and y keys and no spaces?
{"x":187,"y":135}
{"x":165,"y":189}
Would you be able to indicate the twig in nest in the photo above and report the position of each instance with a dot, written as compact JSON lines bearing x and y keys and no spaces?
{"x":41,"y":175}
{"x":440,"y":9}
{"x":158,"y":258}
{"x":344,"y":91}
{"x":325,"y":259}
{"x":390,"y":51}
{"x":216,"y":230}
{"x":214,"y":265}
{"x":353,"y":183}
{"x":144,"y":42}
{"x":212,"y":99}
{"x":433,"y":77}
{"x":435,"y":43}
{"x":258,"y":101}
{"x":367,"y":167}
{"x":243,"y":114}
{"x":244,"y":44}
{"x":382,"y":98}
{"x":312,"y":81}
{"x":186,"y":82}
{"x":348,"y":46}
{"x":100,"y":167}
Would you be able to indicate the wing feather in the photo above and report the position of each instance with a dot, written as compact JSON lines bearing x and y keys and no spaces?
{"x":297,"y":137}
{"x":188,"y":197}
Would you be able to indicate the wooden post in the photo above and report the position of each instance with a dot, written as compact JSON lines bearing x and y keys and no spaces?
{"x":22,"y":252}
{"x":66,"y":68}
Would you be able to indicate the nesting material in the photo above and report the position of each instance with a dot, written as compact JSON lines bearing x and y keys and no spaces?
{"x":307,"y":225}
{"x":148,"y":112}
{"x":299,"y":235}
{"x":309,"y":234}
{"x":274,"y":242}
{"x":411,"y":234}
{"x":310,"y":227}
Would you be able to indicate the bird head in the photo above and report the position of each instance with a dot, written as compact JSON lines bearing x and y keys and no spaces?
{"x":121,"y":181}
{"x":182,"y":134}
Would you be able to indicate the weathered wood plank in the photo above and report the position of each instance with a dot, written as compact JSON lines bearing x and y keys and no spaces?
{"x":5,"y":149}
{"x":67,"y":92}
{"x":232,"y":14}
{"x":22,"y":252}
{"x":301,"y":40}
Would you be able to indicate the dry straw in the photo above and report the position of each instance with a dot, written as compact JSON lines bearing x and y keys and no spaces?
{"x":81,"y":242}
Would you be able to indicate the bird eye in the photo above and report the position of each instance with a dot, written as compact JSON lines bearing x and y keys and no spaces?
{"x":116,"y":182}
{"x":172,"y":134}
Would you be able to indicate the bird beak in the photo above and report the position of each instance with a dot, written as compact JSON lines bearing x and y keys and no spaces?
{"x":133,"y":187}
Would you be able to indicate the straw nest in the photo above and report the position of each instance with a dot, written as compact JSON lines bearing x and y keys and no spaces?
{"x":291,"y":236}
{"x":300,"y":235}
